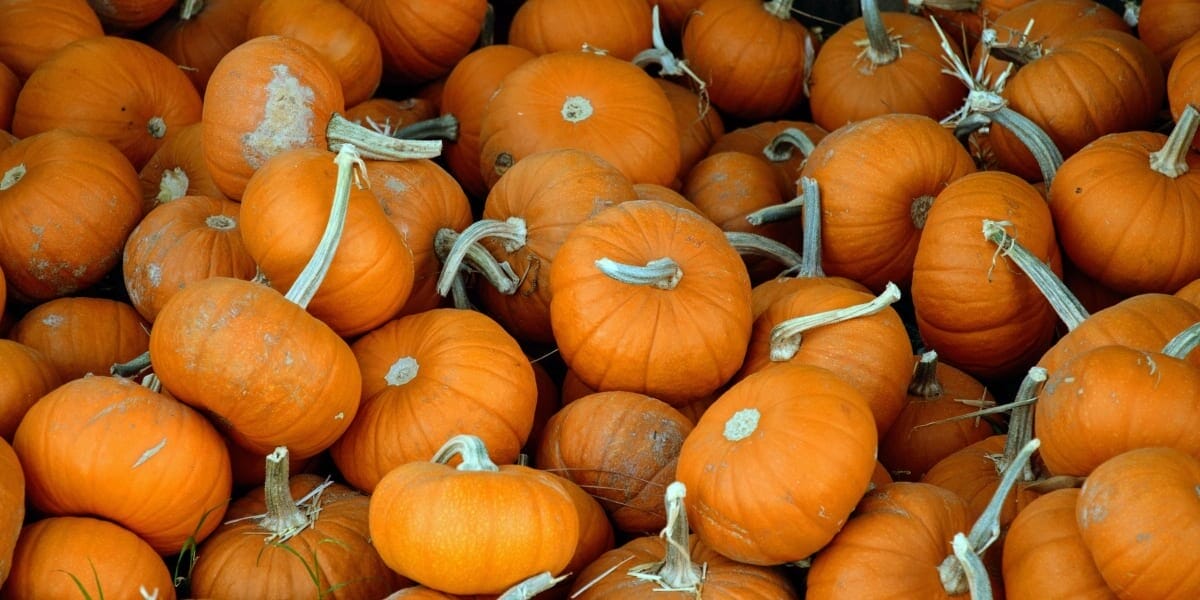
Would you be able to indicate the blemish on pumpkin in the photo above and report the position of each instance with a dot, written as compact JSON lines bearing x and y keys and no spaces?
{"x":157,"y":128}
{"x":148,"y":454}
{"x":53,"y":320}
{"x":576,"y":109}
{"x":154,"y":274}
{"x":1141,"y":538}
{"x":402,"y":371}
{"x":396,"y":185}
{"x":743,"y":423}
{"x":339,"y":416}
{"x":287,"y":119}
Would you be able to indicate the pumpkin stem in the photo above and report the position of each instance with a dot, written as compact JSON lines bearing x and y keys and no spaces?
{"x":811,"y":249}
{"x":310,"y":278}
{"x":156,"y":127}
{"x":675,"y":572}
{"x":1047,"y":155}
{"x":919,"y":210}
{"x":780,"y":9}
{"x":974,"y":571}
{"x":470,"y":449}
{"x":1133,"y":13}
{"x":1065,"y":304}
{"x":669,"y":64}
{"x":172,"y":184}
{"x":528,"y":589}
{"x":1182,"y":344}
{"x":786,"y":336}
{"x":1020,"y":421}
{"x":881,"y":48}
{"x":467,"y":249}
{"x":957,"y":5}
{"x":781,"y":146}
{"x":779,"y":212}
{"x":663,"y":273}
{"x":283,"y":519}
{"x":221,"y":222}
{"x":925,"y":383}
{"x":133,"y":367}
{"x":753,"y":244}
{"x":1018,"y":49}
{"x":1171,"y":159}
{"x":443,"y":127}
{"x":487,"y":31}
{"x":12,"y":176}
{"x":402,"y":371}
{"x":954,"y":574}
{"x":189,"y":9}
{"x":375,"y":145}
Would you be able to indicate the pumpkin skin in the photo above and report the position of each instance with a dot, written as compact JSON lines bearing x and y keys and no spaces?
{"x":974,"y":475}
{"x":199,"y":39}
{"x":88,"y":433}
{"x":177,"y":169}
{"x":334,"y":30}
{"x":989,"y":321}
{"x":751,"y":437}
{"x":898,"y":536}
{"x":1166,"y":25}
{"x":25,"y":376}
{"x":593,"y":315}
{"x":582,"y":100}
{"x":465,"y":95}
{"x":874,"y":204}
{"x":621,"y":447}
{"x":119,"y":90}
{"x":81,"y":335}
{"x":32,"y":30}
{"x":105,"y":560}
{"x":1087,"y":405}
{"x":620,"y":28}
{"x":187,"y":239}
{"x":422,"y":40}
{"x":699,"y":126}
{"x":1183,"y":80}
{"x":220,"y":340}
{"x":1044,"y":555}
{"x":285,"y":208}
{"x":752,"y":139}
{"x":12,"y":506}
{"x":1134,"y":508}
{"x":237,"y":560}
{"x":43,"y":254}
{"x":10,"y":86}
{"x":472,"y":531}
{"x":454,"y":361}
{"x":751,"y":54}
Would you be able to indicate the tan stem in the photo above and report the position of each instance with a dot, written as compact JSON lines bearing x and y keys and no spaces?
{"x":283,"y":516}
{"x":882,"y":48}
{"x":1064,"y":303}
{"x":791,"y":209}
{"x":753,"y":244}
{"x":470,"y":449}
{"x":133,"y":367}
{"x":675,"y":572}
{"x":1171,"y":159}
{"x":12,"y":176}
{"x":442,"y":127}
{"x":662,"y":273}
{"x":172,"y":184}
{"x":1020,"y":52}
{"x":782,"y":146}
{"x":668,"y":64}
{"x":810,"y":249}
{"x":786,"y":336}
{"x":925,"y":383}
{"x":1182,"y":344}
{"x":374,"y":145}
{"x":1020,"y":421}
{"x":313,"y":274}
{"x":974,"y":571}
{"x":467,"y":250}
{"x":780,"y":9}
{"x":220,"y":222}
{"x":530,"y":588}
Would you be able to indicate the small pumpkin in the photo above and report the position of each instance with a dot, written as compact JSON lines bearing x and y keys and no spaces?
{"x":200,"y":34}
{"x":81,"y":335}
{"x":1166,"y":25}
{"x":177,"y":169}
{"x":32,"y":30}
{"x":422,"y":39}
{"x":1044,"y":555}
{"x":619,"y":28}
{"x":26,"y":374}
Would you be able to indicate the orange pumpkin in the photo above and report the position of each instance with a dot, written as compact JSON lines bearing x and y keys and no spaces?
{"x":1166,"y":25}
{"x":81,"y":335}
{"x":116,"y":89}
{"x":177,"y":169}
{"x":10,"y":86}
{"x":1183,"y":80}
{"x":25,"y":376}
{"x":32,"y":30}
{"x":200,"y":35}
{"x":422,"y":39}
{"x":12,"y":506}
{"x":1044,"y":555}
{"x":619,"y":28}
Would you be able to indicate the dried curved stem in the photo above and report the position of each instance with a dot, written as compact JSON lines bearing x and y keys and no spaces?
{"x":675,"y":572}
{"x":470,"y":449}
{"x":669,"y":64}
{"x":1171,"y":159}
{"x":786,"y":336}
{"x":472,"y":257}
{"x":753,"y":244}
{"x":662,"y":273}
{"x":881,"y":48}
{"x":781,"y":147}
{"x":1183,"y":343}
{"x":529,"y":588}
{"x":374,"y":145}
{"x":310,"y":278}
{"x":441,"y":127}
{"x":512,"y":234}
{"x":1065,"y":304}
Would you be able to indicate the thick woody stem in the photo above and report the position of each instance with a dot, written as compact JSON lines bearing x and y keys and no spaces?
{"x":470,"y":449}
{"x":530,"y":588}
{"x":974,"y":571}
{"x":753,"y":244}
{"x":283,"y":516}
{"x":473,"y":257}
{"x":786,"y":336}
{"x":310,"y":278}
{"x":1171,"y":159}
{"x":881,"y":47}
{"x":511,"y":233}
{"x":1065,"y":304}
{"x":376,"y":145}
{"x":1182,"y":344}
{"x":781,"y":146}
{"x":662,"y":273}
{"x":924,"y":383}
{"x":675,"y":572}
{"x":1020,"y":422}
{"x":443,"y":127}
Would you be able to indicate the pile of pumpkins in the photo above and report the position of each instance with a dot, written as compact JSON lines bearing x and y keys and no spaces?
{"x":565,"y":299}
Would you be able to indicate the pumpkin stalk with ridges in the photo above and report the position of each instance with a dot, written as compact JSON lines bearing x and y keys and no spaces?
{"x":881,"y":47}
{"x":662,"y":273}
{"x":786,"y":336}
{"x":789,"y":140}
{"x":675,"y":572}
{"x":1065,"y":304}
{"x":753,"y":244}
{"x":511,"y":233}
{"x":1171,"y":159}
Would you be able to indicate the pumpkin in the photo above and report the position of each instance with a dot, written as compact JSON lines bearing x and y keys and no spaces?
{"x":284,"y":210}
{"x":454,"y":362}
{"x":619,"y":28}
{"x":335,"y":31}
{"x":128,"y":15}
{"x":982,"y":316}
{"x":871,"y":230}
{"x":12,"y":506}
{"x":88,"y":433}
{"x":26,"y":374}
{"x":465,"y":95}
{"x":44,"y":254}
{"x":582,"y":100}
{"x":391,"y":116}
{"x":422,"y":39}
{"x":754,"y":58}
{"x":290,"y":536}
{"x":699,"y":126}
{"x":922,"y":433}
{"x":187,"y":239}
{"x":525,"y":219}
{"x":81,"y":335}
{"x":753,"y":439}
{"x":1135,"y":508}
{"x":1166,"y":25}
{"x":119,"y":90}
{"x":477,"y":528}
{"x":104,"y":560}
{"x":10,"y":86}
{"x":664,"y":273}
{"x":621,"y":447}
{"x":275,"y":93}
{"x":177,"y":169}
{"x":200,"y":34}
{"x":882,"y":63}
{"x":760,"y":140}
{"x":675,"y":564}
{"x":973,"y":473}
{"x":1044,"y":555}
{"x":220,"y":340}
{"x":32,"y":30}
{"x":1183,"y":80}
